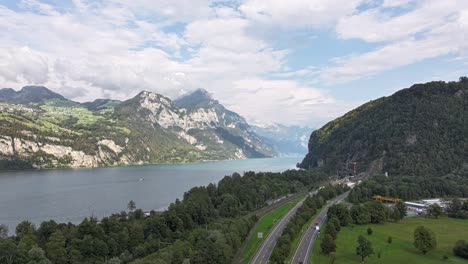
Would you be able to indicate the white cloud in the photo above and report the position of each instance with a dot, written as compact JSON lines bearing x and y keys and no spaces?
{"x":298,"y":13}
{"x":39,"y":7}
{"x":116,"y":48}
{"x":175,"y":10}
{"x":23,"y":66}
{"x":227,"y":34}
{"x":386,"y":58}
{"x":397,"y":3}
{"x":433,"y":29}
{"x":287,"y":101}
{"x":89,"y":54}
{"x":379,"y":25}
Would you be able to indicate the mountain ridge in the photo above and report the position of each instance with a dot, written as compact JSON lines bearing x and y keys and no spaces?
{"x":28,"y":94}
{"x":149,"y":128}
{"x":286,"y":140}
{"x":419,"y":130}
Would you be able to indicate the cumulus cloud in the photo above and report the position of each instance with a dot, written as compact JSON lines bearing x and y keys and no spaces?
{"x":378,"y":24}
{"x":432,"y":29}
{"x":397,"y":3}
{"x":91,"y":52}
{"x":116,"y":48}
{"x":179,"y":10}
{"x":287,"y":100}
{"x":386,"y":58}
{"x":23,"y":66}
{"x":298,"y":13}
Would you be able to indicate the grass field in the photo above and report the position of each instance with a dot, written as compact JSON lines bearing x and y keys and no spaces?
{"x":401,"y":250}
{"x":265,"y":225}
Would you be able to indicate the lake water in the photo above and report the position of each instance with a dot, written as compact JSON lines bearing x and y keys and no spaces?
{"x":73,"y":194}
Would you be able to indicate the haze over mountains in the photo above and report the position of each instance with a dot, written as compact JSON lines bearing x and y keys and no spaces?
{"x":40,"y":128}
{"x":286,"y":140}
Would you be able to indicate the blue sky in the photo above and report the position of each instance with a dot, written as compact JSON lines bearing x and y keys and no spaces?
{"x":292,"y":62}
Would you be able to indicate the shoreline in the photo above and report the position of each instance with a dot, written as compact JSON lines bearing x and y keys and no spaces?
{"x":141,"y":165}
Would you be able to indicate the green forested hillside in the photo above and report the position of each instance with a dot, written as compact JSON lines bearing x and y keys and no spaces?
{"x":41,"y":129}
{"x":421,"y":130}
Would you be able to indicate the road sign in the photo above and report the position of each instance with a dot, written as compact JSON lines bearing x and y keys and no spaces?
{"x":260,"y":235}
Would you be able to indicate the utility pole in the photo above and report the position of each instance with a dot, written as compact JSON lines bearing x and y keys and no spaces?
{"x":355,"y":168}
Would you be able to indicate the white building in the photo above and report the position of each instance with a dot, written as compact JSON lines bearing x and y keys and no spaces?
{"x":437,"y":201}
{"x":417,"y":207}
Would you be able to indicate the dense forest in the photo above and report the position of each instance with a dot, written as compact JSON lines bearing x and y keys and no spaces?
{"x":207,"y":226}
{"x":419,"y":131}
{"x":412,"y":188}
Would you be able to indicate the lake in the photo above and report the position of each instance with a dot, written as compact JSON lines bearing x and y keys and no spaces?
{"x":71,"y":195}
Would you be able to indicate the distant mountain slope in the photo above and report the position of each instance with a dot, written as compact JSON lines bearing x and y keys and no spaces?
{"x":227,"y":131}
{"x":39,"y":128}
{"x":422,"y":130}
{"x":286,"y":140}
{"x":28,"y":94}
{"x":100,"y":104}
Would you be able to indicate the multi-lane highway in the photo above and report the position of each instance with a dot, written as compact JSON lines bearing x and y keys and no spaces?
{"x":264,"y":253}
{"x":304,"y":249}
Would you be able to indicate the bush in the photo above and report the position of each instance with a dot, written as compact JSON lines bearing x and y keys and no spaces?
{"x":369,"y":231}
{"x":461,"y":249}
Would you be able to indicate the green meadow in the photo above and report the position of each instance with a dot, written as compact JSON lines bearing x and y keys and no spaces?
{"x":401,"y":250}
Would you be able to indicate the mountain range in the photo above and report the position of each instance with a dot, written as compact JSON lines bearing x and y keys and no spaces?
{"x":40,"y":128}
{"x":421,"y":130}
{"x":286,"y":140}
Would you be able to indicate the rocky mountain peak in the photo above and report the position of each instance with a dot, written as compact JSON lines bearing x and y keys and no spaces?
{"x":148,"y":128}
{"x":199,"y":98}
{"x":151,"y":100}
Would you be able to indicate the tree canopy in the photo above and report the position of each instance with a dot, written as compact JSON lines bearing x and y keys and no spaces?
{"x":424,"y":239}
{"x":208,"y":225}
{"x":364,"y":248}
{"x":416,"y":131}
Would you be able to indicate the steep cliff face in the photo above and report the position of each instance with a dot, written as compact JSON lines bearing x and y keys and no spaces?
{"x":200,"y":121}
{"x":38,"y":154}
{"x":421,"y":130}
{"x":210,"y":122}
{"x":149,"y":128}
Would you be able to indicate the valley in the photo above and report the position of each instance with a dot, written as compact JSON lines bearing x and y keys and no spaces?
{"x":41,"y":129}
{"x":233,"y":132}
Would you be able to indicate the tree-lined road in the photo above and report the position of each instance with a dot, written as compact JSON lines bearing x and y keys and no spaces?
{"x":304,"y":249}
{"x":264,"y":253}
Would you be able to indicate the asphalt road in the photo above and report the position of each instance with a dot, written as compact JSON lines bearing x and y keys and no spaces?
{"x":304,"y":250}
{"x":264,"y":253}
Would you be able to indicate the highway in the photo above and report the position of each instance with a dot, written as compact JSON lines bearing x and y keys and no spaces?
{"x":304,"y":250}
{"x":264,"y":253}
